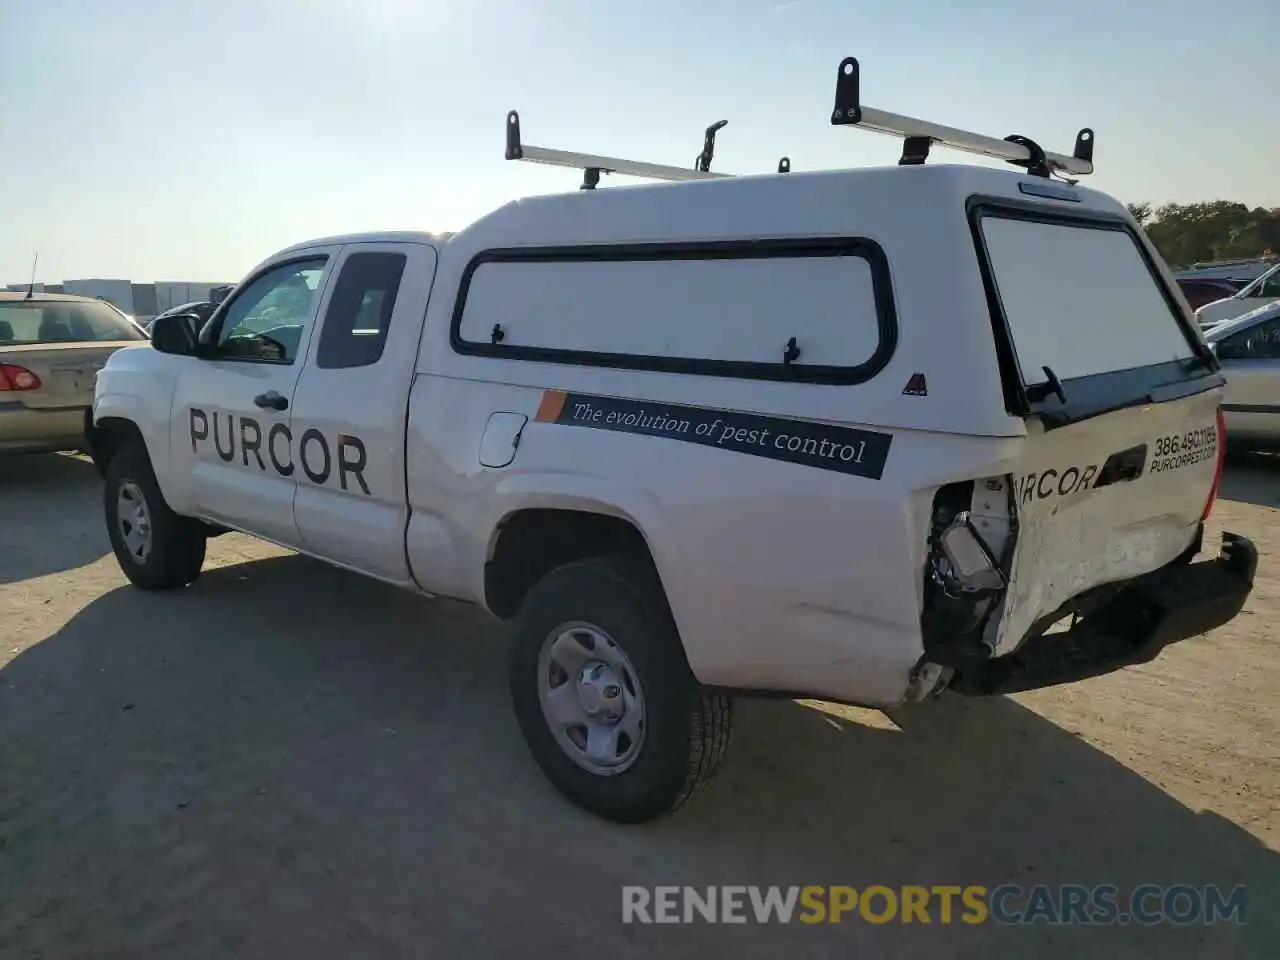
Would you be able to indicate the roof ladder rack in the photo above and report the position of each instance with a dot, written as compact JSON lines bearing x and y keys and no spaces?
{"x":592,"y":165}
{"x":919,"y":135}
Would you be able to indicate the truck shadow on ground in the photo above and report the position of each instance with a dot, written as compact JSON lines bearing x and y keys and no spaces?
{"x":53,"y":512}
{"x":288,"y":760}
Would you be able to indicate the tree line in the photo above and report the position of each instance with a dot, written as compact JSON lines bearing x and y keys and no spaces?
{"x":1187,"y":233}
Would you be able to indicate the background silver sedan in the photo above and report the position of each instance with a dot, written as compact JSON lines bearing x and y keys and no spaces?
{"x":51,"y":348}
{"x":1262,"y":291}
{"x":1248,"y":348}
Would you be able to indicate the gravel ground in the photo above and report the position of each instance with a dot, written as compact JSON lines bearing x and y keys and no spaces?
{"x":291,"y":761}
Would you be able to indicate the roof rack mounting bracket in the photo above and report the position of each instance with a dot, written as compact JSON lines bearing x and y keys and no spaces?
{"x":703,"y":162}
{"x":784,"y":165}
{"x":915,"y":151}
{"x":1037,"y":165}
{"x":850,"y":111}
{"x":1084,"y":145}
{"x":593,"y":165}
{"x":848,"y":107}
{"x":515,"y":150}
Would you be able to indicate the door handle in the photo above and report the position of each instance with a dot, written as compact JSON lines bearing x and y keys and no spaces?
{"x":1123,"y":466}
{"x":271,"y":401}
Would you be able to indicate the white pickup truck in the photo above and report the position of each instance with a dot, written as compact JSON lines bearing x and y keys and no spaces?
{"x":860,"y":435}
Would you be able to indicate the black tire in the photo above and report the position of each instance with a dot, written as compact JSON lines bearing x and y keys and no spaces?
{"x":686,"y":726}
{"x":177,"y":543}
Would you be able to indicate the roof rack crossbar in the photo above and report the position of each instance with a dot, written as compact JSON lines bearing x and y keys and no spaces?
{"x":919,"y":134}
{"x":593,"y":165}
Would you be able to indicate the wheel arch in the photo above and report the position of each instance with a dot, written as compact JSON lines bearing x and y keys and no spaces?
{"x":530,"y":541}
{"x":107,"y":436}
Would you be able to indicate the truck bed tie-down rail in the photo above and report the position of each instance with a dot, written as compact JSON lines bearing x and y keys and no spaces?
{"x":918,"y":137}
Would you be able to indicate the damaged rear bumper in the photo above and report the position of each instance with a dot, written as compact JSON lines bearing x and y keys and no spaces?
{"x":1136,"y":621}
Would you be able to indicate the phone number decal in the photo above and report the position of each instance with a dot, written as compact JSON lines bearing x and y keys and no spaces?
{"x":1179,"y":450}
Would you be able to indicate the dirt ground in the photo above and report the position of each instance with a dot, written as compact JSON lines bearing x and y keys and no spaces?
{"x":287,"y":761}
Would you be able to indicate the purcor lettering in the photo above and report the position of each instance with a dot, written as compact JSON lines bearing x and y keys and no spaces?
{"x":315,"y":438}
{"x":229,"y":453}
{"x":1171,"y":452}
{"x":199,"y":427}
{"x":280,"y":430}
{"x":1054,"y":482}
{"x":351,"y":460}
{"x":251,"y":444}
{"x":274,"y":450}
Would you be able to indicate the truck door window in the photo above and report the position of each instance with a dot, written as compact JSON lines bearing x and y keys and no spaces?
{"x":1270,"y":287}
{"x":265,"y":323}
{"x":1258,"y":343}
{"x":359,"y":313}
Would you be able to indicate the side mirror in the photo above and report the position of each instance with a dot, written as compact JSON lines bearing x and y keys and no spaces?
{"x":176,"y":334}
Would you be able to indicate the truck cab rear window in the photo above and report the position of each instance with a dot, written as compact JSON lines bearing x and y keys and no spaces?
{"x":1079,"y":298}
{"x":744,"y":303}
{"x":359,"y":313}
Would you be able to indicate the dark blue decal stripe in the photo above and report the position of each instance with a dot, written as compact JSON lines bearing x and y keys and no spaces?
{"x":860,"y":453}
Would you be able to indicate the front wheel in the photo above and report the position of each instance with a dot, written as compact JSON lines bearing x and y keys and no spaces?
{"x":156,"y":548}
{"x":605,"y":697}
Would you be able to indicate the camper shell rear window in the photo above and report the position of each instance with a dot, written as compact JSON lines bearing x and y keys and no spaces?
{"x":1079,"y":306}
{"x":811,"y":310}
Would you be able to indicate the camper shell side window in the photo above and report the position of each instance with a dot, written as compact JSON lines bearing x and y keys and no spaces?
{"x":815,"y":310}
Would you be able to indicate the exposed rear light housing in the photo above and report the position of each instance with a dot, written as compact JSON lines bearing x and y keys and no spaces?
{"x":16,"y":378}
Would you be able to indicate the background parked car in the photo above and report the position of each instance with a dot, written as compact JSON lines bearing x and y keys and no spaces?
{"x":1260,"y":292}
{"x":51,"y":348}
{"x":201,"y":308}
{"x":1200,"y":291}
{"x":1238,"y":270}
{"x":1248,"y":348}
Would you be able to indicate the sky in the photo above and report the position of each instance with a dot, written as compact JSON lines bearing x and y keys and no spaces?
{"x":190,"y":139}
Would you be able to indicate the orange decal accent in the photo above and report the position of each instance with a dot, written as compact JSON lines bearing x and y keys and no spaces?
{"x":551,"y":406}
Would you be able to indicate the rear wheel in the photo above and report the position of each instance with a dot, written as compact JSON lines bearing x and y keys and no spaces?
{"x":156,"y":548}
{"x":605,"y":698}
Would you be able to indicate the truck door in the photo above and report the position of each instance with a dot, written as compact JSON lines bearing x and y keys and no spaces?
{"x":236,"y":457}
{"x":1251,"y":361}
{"x":351,"y":402}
